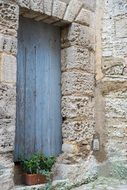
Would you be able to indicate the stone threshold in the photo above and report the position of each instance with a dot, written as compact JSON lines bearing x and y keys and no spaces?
{"x":32,"y":187}
{"x":57,"y":184}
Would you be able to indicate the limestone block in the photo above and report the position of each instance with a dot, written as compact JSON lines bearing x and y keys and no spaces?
{"x":84,"y":149}
{"x":116,"y":83}
{"x":78,"y":173}
{"x":121,"y":27}
{"x":116,"y":128}
{"x":73,"y":10}
{"x":112,"y":65}
{"x":77,"y":34}
{"x":7,"y":101}
{"x":90,"y":4}
{"x":116,"y":150}
{"x":6,"y":160}
{"x":83,"y":17}
{"x":7,"y":117}
{"x":120,"y":7}
{"x":116,"y":124}
{"x":8,"y":44}
{"x":7,"y":135}
{"x":6,"y":171}
{"x":115,"y":132}
{"x":63,"y":170}
{"x":116,"y":108}
{"x":120,"y":47}
{"x":24,"y":3}
{"x":6,"y":178}
{"x":107,"y":47}
{"x":48,"y":7}
{"x":58,"y":9}
{"x":69,"y":148}
{"x":76,"y":58}
{"x":36,"y":5}
{"x":77,"y":82}
{"x":8,"y":68}
{"x":9,"y":14}
{"x":118,"y":94}
{"x":73,"y":106}
{"x":78,"y":131}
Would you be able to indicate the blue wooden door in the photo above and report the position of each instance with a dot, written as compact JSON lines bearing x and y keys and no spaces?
{"x":38,"y":118}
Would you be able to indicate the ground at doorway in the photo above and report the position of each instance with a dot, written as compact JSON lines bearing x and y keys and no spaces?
{"x":121,"y":187}
{"x":102,"y":183}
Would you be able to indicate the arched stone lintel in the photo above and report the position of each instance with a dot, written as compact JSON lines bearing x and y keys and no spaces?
{"x":57,"y":11}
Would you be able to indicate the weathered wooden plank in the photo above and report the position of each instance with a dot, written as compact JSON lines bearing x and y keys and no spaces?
{"x":20,"y":109}
{"x":55,"y":92}
{"x":39,"y":87}
{"x":30,"y":96}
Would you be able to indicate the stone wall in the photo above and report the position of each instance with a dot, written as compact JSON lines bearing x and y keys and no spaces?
{"x":94,"y":82}
{"x":111,"y":69}
{"x":8,"y":28}
{"x":78,"y":82}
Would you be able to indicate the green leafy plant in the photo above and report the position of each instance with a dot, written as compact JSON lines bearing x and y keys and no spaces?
{"x":38,"y":164}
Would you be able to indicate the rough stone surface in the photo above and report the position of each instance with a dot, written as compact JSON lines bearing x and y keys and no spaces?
{"x":83,"y":17}
{"x":77,"y":34}
{"x":77,"y":82}
{"x":48,"y":7}
{"x":90,"y":4}
{"x":7,"y":131}
{"x":114,"y":50}
{"x":73,"y":10}
{"x":7,"y":117}
{"x":113,"y":83}
{"x":79,"y":173}
{"x":121,"y":26}
{"x":73,"y":106}
{"x":9,"y":18}
{"x":113,"y":66}
{"x":75,"y":57}
{"x":69,"y":148}
{"x":6,"y":171}
{"x":36,"y":5}
{"x":78,"y":131}
{"x":8,"y":68}
{"x":24,"y":3}
{"x":59,"y":9}
{"x":115,"y":105}
{"x":8,"y":44}
{"x":6,"y":177}
{"x":104,"y":184}
{"x":108,"y":184}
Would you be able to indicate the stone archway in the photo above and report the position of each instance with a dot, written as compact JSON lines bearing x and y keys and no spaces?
{"x":77,"y":63}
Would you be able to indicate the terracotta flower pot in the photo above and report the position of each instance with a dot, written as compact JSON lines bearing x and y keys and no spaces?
{"x":34,"y":179}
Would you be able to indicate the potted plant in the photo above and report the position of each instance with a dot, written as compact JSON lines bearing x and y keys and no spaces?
{"x":37,"y":169}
